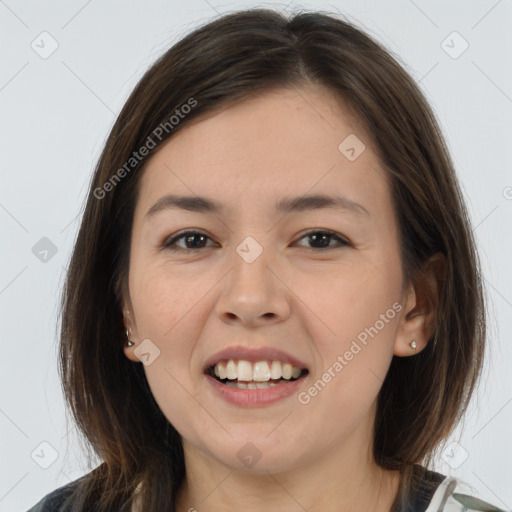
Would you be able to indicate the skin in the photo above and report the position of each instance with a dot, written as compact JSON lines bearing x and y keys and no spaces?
{"x":283,"y":143}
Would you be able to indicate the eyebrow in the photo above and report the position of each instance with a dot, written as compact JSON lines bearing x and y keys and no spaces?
{"x":286,"y":205}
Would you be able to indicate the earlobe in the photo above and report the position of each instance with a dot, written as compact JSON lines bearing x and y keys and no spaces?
{"x":130,"y":340}
{"x":417,"y":323}
{"x":411,"y":336}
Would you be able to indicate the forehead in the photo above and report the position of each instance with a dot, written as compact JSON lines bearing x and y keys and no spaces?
{"x":284,"y":142}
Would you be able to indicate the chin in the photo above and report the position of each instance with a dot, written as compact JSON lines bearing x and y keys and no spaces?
{"x":258,"y":455}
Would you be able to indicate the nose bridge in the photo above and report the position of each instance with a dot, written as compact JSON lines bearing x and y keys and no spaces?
{"x":251,"y":261}
{"x":252,"y":291}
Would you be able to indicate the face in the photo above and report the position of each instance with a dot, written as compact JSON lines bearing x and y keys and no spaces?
{"x":318,"y":287}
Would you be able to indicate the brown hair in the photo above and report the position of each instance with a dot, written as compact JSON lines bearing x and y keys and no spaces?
{"x":230,"y":59}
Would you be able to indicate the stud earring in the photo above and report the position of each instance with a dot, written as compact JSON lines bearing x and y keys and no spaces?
{"x":413,"y":345}
{"x":130,"y":343}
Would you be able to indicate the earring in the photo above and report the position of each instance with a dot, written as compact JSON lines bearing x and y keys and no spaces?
{"x":413,"y":345}
{"x":130,"y":343}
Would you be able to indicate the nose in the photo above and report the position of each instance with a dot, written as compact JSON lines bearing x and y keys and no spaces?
{"x":253,"y":293}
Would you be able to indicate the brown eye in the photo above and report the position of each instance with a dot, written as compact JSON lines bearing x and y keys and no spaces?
{"x":322,"y":240}
{"x":192,"y":240}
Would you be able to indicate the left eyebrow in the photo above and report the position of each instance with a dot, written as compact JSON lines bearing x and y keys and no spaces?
{"x":286,"y":205}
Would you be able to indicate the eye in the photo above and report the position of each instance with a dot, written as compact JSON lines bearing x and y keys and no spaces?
{"x":196,"y":239}
{"x":323,"y":238}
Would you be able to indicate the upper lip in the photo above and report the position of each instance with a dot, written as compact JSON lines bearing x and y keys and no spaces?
{"x":254,"y":355}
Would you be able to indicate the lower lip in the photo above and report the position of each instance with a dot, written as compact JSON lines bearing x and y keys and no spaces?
{"x":254,"y":397}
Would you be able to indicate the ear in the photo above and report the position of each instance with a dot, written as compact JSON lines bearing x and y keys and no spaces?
{"x":130,"y":325}
{"x":420,"y":305}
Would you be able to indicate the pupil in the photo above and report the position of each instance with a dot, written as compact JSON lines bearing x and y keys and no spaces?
{"x":323,"y":236}
{"x":191,"y":237}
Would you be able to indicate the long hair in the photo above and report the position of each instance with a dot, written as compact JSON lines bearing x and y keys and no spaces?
{"x":228,"y":60}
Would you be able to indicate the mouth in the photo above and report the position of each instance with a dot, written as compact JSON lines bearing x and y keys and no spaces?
{"x":244,"y":374}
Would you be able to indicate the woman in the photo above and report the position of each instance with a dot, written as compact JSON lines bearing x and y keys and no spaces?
{"x":274,"y":300}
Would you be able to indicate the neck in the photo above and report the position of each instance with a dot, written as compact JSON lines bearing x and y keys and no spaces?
{"x":339,"y":480}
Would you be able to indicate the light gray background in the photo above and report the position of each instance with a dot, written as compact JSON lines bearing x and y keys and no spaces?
{"x":55,"y":114}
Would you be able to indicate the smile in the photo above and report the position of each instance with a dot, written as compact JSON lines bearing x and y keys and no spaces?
{"x":243,"y":374}
{"x":254,"y":377}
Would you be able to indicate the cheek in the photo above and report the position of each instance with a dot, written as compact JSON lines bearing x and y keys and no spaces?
{"x":167,"y":313}
{"x":170,"y":313}
{"x":355,"y":337}
{"x":172,"y":306}
{"x":163,"y":298}
{"x":353,"y":299}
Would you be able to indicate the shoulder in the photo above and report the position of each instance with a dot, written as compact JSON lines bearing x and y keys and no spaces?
{"x":54,"y":501}
{"x":455,"y":495}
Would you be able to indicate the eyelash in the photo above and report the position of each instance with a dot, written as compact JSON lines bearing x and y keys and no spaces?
{"x":170,"y":243}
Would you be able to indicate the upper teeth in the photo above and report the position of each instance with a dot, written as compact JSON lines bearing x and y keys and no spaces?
{"x":260,"y":371}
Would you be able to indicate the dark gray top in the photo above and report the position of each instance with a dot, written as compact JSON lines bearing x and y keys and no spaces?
{"x":423,"y":499}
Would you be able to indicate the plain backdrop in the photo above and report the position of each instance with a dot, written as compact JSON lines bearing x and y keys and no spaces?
{"x":66,"y":70}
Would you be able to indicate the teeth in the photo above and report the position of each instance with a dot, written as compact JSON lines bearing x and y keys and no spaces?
{"x":254,"y":374}
{"x":231,"y":370}
{"x":261,"y":371}
{"x":259,"y":385}
{"x":244,"y":370}
{"x":275,"y":371}
{"x":287,"y":371}
{"x":222,"y":371}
